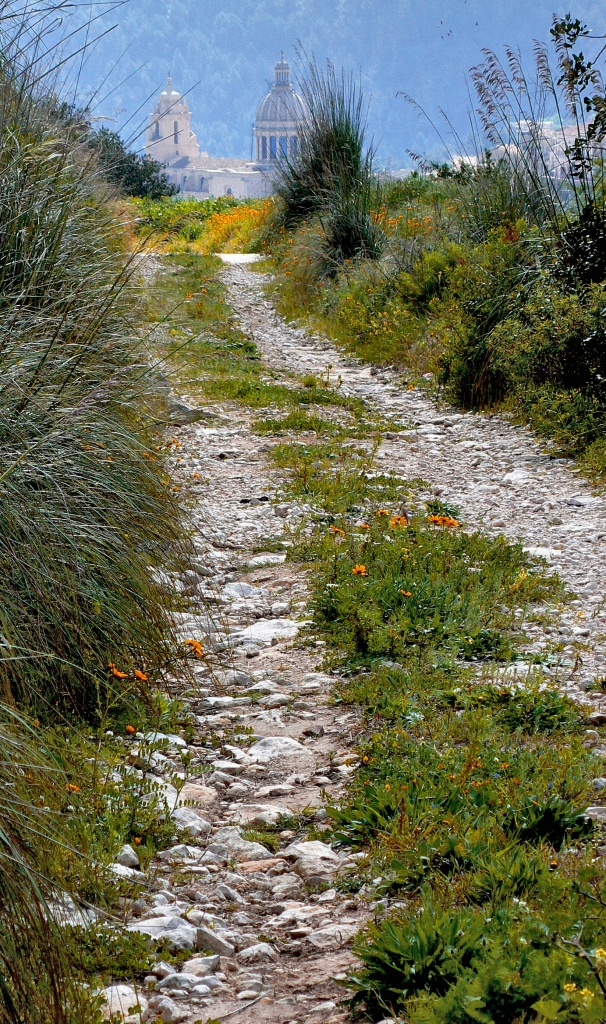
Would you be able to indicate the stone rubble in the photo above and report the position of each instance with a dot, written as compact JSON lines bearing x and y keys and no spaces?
{"x":267,"y":929}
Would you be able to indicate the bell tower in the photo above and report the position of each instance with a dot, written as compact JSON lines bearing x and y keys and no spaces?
{"x":169,"y":137}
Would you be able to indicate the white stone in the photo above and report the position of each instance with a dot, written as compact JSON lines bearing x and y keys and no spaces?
{"x":272,"y":748}
{"x":333,"y":936}
{"x":123,"y":872}
{"x":261,"y":951}
{"x":190,"y":821}
{"x":260,"y":814}
{"x":235,"y":590}
{"x":238,"y":848}
{"x":171,"y":739}
{"x":315,"y":862}
{"x":121,"y":1000}
{"x":266,"y":630}
{"x":128,"y":857}
{"x":266,"y":559}
{"x":180,"y":935}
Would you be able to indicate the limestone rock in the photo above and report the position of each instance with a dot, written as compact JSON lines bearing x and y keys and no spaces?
{"x":315,"y":862}
{"x":196,"y":794}
{"x":208,"y":939}
{"x":275,"y":747}
{"x":240,"y":849}
{"x":128,"y":857}
{"x":125,"y":1004}
{"x":202,"y":966}
{"x":259,"y":953}
{"x":179,"y":934}
{"x":260,"y":814}
{"x":333,"y":936}
{"x":190,"y":821}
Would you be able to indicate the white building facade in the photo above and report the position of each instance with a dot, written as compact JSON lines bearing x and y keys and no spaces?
{"x":170,"y":141}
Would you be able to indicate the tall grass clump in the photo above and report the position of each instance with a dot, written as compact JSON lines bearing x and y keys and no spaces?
{"x":331,"y":175}
{"x":37,"y":983}
{"x":85,"y":514}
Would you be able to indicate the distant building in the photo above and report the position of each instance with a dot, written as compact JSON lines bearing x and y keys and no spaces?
{"x":279,"y":118}
{"x":171,"y":141}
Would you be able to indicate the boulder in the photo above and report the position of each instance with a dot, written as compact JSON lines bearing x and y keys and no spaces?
{"x":259,"y":953}
{"x":272,"y":748}
{"x":179,"y":933}
{"x":260,"y":814}
{"x":208,"y":939}
{"x":238,"y":848}
{"x":190,"y":821}
{"x":202,"y":966}
{"x":128,"y":857}
{"x":315,"y":862}
{"x":197,"y":795}
{"x":333,"y":936}
{"x":125,"y":1004}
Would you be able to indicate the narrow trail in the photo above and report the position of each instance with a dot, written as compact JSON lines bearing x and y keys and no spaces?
{"x":495,"y":471}
{"x":265,"y":734}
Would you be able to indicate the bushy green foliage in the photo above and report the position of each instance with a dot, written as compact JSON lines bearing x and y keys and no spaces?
{"x":470,"y":795}
{"x":331,"y":174}
{"x":134,"y":175}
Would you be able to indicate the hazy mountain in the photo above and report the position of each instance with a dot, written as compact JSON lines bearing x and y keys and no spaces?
{"x":224,"y":51}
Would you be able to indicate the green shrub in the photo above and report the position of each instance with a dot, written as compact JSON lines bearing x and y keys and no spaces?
{"x":426,"y":953}
{"x":553,"y":820}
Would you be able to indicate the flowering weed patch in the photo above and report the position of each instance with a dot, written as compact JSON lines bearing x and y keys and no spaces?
{"x":470,"y":796}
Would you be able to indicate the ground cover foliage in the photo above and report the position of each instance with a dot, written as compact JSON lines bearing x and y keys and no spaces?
{"x":469,"y":800}
{"x":489,"y":277}
{"x":87,"y":517}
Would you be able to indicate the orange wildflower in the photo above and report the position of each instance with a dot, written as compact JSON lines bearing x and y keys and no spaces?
{"x":195,"y":646}
{"x":407,"y":593}
{"x":364,"y":526}
{"x":72,"y":788}
{"x":141,"y":675}
{"x":398,"y":521}
{"x":337,"y":529}
{"x":116,"y":671}
{"x":137,"y":841}
{"x":442,"y":520}
{"x":359,"y":570}
{"x":382,"y":512}
{"x":130,"y":729}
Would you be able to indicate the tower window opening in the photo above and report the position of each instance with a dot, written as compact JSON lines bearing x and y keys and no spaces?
{"x":264,"y":147}
{"x":156,"y":134}
{"x":272,"y":147}
{"x":283,"y":145}
{"x":293,"y":145}
{"x":176,"y":133}
{"x":201,"y":183}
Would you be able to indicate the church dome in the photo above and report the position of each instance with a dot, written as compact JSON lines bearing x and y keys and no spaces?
{"x":279,"y":117}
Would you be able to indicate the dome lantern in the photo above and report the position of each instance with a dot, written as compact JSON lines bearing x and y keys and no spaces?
{"x":279,"y":118}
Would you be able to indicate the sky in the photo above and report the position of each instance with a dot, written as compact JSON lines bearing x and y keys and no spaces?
{"x":221,"y":53}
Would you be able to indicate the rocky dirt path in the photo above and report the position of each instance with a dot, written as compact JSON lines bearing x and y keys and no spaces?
{"x":493,"y":470}
{"x":269,"y":742}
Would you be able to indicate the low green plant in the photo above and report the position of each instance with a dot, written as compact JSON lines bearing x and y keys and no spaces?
{"x":552,"y":820}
